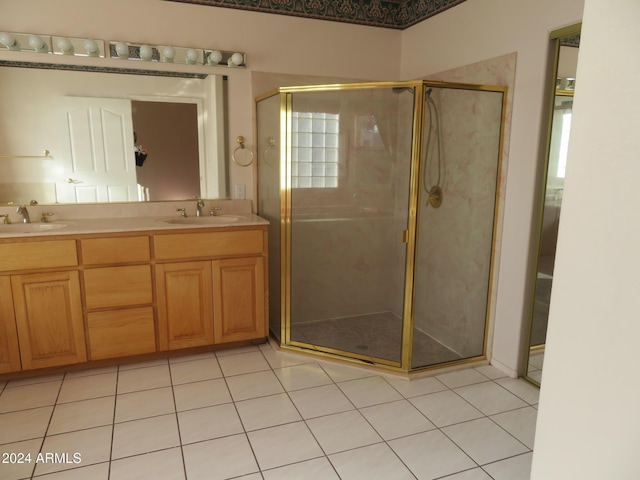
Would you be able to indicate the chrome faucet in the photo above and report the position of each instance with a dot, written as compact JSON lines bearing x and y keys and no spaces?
{"x":22,"y":210}
{"x":199,"y":206}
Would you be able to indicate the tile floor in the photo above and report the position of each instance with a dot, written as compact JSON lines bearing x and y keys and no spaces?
{"x":254,"y":413}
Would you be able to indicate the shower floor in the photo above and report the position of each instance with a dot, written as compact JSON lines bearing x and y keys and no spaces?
{"x":376,"y":335}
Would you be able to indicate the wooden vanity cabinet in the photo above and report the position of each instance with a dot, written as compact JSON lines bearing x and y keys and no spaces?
{"x":48,"y":311}
{"x":118,"y":296}
{"x":9,"y":349}
{"x":66,"y":300}
{"x":185,"y":306}
{"x":239,"y":299}
{"x":210,"y":287}
{"x":41,"y":311}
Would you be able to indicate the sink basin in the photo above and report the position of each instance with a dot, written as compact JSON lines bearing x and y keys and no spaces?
{"x":209,"y":220}
{"x":15,"y":228}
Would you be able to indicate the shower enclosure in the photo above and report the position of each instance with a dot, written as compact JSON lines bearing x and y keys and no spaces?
{"x":382,"y":202}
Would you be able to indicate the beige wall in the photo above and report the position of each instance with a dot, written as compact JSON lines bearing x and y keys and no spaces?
{"x":478,"y":30}
{"x":588,"y":422}
{"x":471,"y":32}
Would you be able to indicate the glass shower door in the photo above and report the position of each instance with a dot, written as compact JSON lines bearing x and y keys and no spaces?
{"x":459,"y":170}
{"x":349,"y":160}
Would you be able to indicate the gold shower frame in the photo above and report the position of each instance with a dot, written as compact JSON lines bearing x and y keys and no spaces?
{"x":409,"y":235}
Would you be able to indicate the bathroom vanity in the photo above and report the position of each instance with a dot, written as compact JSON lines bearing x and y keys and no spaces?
{"x":91,"y":290}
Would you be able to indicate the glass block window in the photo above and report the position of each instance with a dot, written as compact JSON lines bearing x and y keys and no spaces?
{"x":314,"y":152}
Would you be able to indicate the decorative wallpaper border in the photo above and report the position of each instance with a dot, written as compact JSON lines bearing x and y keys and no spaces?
{"x":396,"y":14}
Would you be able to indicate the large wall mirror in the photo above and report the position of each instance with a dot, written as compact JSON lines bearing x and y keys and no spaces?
{"x":111,"y":136}
{"x":562,"y":84}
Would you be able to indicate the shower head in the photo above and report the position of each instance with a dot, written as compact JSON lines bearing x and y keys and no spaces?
{"x":429,"y":91}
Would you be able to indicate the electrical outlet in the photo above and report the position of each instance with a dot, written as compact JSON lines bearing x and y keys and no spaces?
{"x":240,"y":193}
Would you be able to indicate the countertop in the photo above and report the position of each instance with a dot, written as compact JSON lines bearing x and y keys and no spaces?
{"x":82,"y":226}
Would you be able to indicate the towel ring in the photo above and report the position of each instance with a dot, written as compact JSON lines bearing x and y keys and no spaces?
{"x":240,"y":140}
{"x":272,"y":144}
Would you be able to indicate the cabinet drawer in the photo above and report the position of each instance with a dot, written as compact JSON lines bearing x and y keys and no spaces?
{"x":118,"y":333}
{"x":210,"y":244}
{"x":104,"y":251}
{"x":30,"y":255}
{"x":118,"y":286}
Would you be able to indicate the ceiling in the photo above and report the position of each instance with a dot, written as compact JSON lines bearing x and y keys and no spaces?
{"x":396,"y":14}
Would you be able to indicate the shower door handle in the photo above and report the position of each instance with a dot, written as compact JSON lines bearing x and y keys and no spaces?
{"x":405,"y":236}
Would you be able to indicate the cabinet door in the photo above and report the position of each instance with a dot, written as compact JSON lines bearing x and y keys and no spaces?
{"x":239,"y":299}
{"x":48,"y":313}
{"x":185,"y":310}
{"x":9,"y":351}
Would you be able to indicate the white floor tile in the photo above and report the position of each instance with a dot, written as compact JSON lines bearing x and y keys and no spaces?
{"x":84,"y":388}
{"x":369,"y":391}
{"x":302,"y":376}
{"x":29,"y":396}
{"x":374,"y":462}
{"x":484,"y":441}
{"x":266,"y":412}
{"x":520,"y":423}
{"x":461,"y":378}
{"x":239,"y":364}
{"x":283,"y":445}
{"x":318,"y":401}
{"x":343,"y":373}
{"x":219,"y":459}
{"x":68,"y":417}
{"x":201,"y":394}
{"x":515,"y":468}
{"x":473,"y":474}
{"x":253,"y":385}
{"x":209,"y":423}
{"x":92,"y":445}
{"x":24,"y":424}
{"x":429,"y":427}
{"x":165,"y":465}
{"x":396,"y":419}
{"x":415,"y":387}
{"x":189,"y":358}
{"x":491,"y":372}
{"x":284,"y":359}
{"x":99,"y":471}
{"x":490,"y":398}
{"x":445,"y":408}
{"x":316,"y":469}
{"x":431,"y":455}
{"x":91,"y":371}
{"x":33,"y":380}
{"x":195,"y":370}
{"x":144,"y":404}
{"x":343,"y":431}
{"x":521,"y":388}
{"x":149,"y":363}
{"x":144,"y":436}
{"x":237,"y":350}
{"x":146,"y":378}
{"x":28,"y":451}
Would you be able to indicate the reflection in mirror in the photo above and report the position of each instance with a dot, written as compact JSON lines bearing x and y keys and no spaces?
{"x":558,"y":142}
{"x":87,"y":120}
